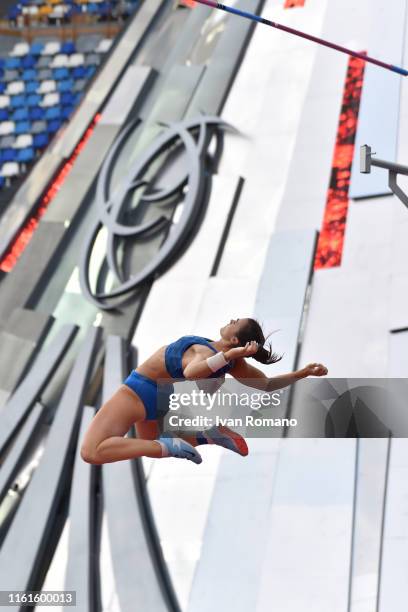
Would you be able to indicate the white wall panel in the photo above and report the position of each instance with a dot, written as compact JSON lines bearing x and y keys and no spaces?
{"x":273,"y":81}
{"x":394,"y":564}
{"x":379,"y":109}
{"x":308,"y":528}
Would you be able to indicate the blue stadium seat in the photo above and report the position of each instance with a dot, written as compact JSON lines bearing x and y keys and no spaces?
{"x":25,"y":156}
{"x":33,"y":100}
{"x":36,"y":48}
{"x":60,"y":73}
{"x":54,"y":126}
{"x":90,"y":71}
{"x":67,"y":112}
{"x":54,"y":112}
{"x":77,"y":97}
{"x":68,"y":47}
{"x":4,"y":115}
{"x":29,"y":75}
{"x":21,"y":114}
{"x":68,"y":99}
{"x":41,"y":140}
{"x":29,"y":61}
{"x":79,"y":72}
{"x":12,"y":63}
{"x":17,"y":101}
{"x":2,"y":87}
{"x":2,"y":181}
{"x":67,"y":85}
{"x":9,"y":155}
{"x":32,"y":86}
{"x":23,"y":127}
{"x":36,"y":113}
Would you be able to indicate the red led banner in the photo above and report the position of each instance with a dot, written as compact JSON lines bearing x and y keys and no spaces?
{"x":293,"y":3}
{"x":26,"y":232}
{"x":330,"y":244}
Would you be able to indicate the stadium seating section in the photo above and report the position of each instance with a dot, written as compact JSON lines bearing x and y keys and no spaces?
{"x":40,"y":86}
{"x":34,"y":12}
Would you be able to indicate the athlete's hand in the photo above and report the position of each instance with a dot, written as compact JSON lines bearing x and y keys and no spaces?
{"x":242,"y":351}
{"x":313,"y":369}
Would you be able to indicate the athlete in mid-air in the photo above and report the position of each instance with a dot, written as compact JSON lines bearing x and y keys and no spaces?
{"x":192,"y":358}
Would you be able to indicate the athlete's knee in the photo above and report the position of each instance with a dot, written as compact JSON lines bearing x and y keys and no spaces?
{"x":90,"y":454}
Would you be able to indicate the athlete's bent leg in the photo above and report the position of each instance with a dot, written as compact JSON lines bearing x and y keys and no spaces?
{"x":104,"y":441}
{"x":116,"y":448}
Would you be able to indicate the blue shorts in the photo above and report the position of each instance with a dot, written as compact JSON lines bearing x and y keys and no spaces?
{"x":154,"y":398}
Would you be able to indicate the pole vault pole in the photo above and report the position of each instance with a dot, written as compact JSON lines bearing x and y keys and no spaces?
{"x":320,"y":41}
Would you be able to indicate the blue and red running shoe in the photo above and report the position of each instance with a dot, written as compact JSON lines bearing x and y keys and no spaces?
{"x":226,"y":437}
{"x":176,"y":447}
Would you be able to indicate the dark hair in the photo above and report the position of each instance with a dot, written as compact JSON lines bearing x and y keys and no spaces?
{"x":252,"y":330}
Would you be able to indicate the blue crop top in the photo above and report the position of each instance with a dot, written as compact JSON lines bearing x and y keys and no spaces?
{"x":174,"y":353}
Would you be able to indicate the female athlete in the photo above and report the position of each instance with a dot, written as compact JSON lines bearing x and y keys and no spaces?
{"x":189,"y":357}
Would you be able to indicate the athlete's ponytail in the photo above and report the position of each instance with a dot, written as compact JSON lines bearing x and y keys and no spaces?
{"x":253,"y":331}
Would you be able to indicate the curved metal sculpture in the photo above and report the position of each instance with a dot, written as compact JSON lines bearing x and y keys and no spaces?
{"x":112,"y":204}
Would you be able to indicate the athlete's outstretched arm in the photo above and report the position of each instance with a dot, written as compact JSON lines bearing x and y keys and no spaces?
{"x":198,"y":368}
{"x":253,"y":377}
